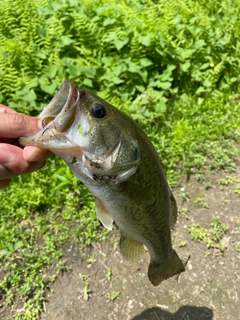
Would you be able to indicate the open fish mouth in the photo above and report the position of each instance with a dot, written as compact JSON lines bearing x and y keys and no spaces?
{"x":63,"y":101}
{"x":57,"y":118}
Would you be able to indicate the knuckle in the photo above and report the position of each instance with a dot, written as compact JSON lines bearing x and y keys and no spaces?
{"x":18,"y":121}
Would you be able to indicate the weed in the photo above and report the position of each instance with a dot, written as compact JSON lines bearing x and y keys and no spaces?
{"x":109,"y":274}
{"x":237,"y":191}
{"x":184,"y":212}
{"x":199,"y":234}
{"x":200,"y":202}
{"x":113,"y":295}
{"x":208,"y":185}
{"x":237,"y":247}
{"x":174,"y":298}
{"x":228,"y":181}
{"x":182,"y":244}
{"x":91,"y":260}
{"x":218,"y":229}
{"x":212,"y":236}
{"x":184,"y":195}
{"x":85,"y":292}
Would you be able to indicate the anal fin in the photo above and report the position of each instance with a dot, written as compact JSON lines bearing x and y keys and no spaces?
{"x":103,"y":214}
{"x":130,"y":248}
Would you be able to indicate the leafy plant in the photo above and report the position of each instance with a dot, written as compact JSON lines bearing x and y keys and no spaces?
{"x":212,"y":236}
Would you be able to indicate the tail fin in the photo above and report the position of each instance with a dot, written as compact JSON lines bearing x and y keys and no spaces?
{"x":157,"y":272}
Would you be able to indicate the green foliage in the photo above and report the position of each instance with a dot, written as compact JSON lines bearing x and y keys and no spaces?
{"x":120,"y":49}
{"x":172,"y":65}
{"x":212,"y":236}
{"x":39,"y":213}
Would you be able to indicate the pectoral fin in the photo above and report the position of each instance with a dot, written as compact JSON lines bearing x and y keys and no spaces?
{"x":129,"y":248}
{"x":103,"y":215}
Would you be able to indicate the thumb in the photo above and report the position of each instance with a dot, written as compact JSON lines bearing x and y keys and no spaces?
{"x":14,"y":125}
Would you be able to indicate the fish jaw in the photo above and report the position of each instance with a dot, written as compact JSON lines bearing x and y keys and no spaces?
{"x":57,"y":118}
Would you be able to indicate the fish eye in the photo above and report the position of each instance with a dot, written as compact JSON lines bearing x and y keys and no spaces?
{"x":98,"y":111}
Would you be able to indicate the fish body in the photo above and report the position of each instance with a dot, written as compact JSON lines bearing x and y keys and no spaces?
{"x":115,"y":159}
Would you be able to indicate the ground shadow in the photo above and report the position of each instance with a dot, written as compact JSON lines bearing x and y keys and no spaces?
{"x":184,"y":313}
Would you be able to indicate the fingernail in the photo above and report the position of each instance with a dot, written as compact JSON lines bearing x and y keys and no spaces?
{"x":36,"y":156}
{"x":44,"y":165}
{"x":6,"y":156}
{"x":40,"y":124}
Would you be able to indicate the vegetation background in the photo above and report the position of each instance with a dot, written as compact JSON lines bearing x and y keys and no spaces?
{"x":172,"y":65}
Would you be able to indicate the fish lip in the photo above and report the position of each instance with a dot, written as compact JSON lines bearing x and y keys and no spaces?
{"x":62,"y":101}
{"x":62,"y":104}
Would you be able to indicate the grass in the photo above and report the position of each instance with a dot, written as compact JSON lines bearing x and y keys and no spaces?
{"x":211,"y":236}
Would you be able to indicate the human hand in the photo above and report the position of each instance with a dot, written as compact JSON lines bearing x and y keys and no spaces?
{"x":14,"y":159}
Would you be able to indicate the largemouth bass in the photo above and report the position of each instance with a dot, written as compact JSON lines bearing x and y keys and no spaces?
{"x":115,"y":159}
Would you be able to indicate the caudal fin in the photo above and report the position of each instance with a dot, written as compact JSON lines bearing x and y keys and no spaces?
{"x":157,"y":272}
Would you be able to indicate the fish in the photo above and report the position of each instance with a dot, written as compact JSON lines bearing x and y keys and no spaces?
{"x":119,"y":165}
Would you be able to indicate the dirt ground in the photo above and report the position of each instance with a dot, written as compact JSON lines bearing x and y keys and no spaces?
{"x":109,"y":288}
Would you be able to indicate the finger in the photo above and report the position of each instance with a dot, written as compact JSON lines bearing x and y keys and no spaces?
{"x":33,"y":154}
{"x":4,"y":183}
{"x":14,"y":125}
{"x":6,"y":174}
{"x":13,"y":164}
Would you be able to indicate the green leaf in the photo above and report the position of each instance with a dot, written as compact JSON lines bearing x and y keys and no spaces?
{"x":51,"y":71}
{"x":161,"y":107}
{"x":66,"y":41}
{"x":30,"y":96}
{"x":205,"y":66}
{"x":4,"y":252}
{"x":145,"y":62}
{"x":164,"y":85}
{"x":140,"y":88}
{"x":199,"y":44}
{"x":51,"y":88}
{"x":74,"y":71}
{"x":56,"y":6}
{"x":116,"y":80}
{"x":207,"y":83}
{"x":88,"y":71}
{"x":33,"y":83}
{"x":119,"y":44}
{"x":88,"y":82}
{"x":200,"y":90}
{"x":185,"y":66}
{"x":18,"y":245}
{"x":146,"y":40}
{"x":108,"y":21}
{"x":187,"y":54}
